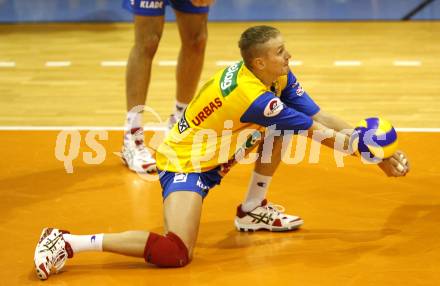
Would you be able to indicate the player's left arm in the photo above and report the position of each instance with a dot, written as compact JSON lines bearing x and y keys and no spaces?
{"x":332,"y":121}
{"x":395,"y":166}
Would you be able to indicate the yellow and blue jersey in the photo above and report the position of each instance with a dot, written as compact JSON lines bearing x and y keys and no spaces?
{"x":227,"y":108}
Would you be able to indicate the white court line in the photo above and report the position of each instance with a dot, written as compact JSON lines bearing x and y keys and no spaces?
{"x":295,"y":63}
{"x":58,"y":64}
{"x":167,"y":63}
{"x":407,"y":63}
{"x":113,"y":63}
{"x":7,"y":64}
{"x":156,"y":128}
{"x":225,"y":63}
{"x":347,"y":63}
{"x":73,"y":128}
{"x":415,"y":129}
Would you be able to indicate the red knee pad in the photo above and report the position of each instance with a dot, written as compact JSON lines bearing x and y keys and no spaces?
{"x":166,"y":251}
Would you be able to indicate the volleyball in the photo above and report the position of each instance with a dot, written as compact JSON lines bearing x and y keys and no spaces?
{"x":375,"y":138}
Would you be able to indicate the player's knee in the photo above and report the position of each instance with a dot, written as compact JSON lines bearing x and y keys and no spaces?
{"x":166,"y":251}
{"x":147,"y":45}
{"x":200,"y":41}
{"x":196,"y":43}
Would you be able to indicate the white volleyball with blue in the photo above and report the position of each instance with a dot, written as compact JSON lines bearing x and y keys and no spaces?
{"x":376,"y":138}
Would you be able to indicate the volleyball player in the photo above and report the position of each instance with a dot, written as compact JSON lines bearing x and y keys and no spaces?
{"x":258,"y":92}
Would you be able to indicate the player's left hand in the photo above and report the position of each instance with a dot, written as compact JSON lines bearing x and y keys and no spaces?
{"x":395,"y":166}
{"x":202,"y":3}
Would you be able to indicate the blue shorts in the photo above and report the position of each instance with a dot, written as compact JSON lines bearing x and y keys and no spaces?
{"x":199,"y":183}
{"x":157,"y":7}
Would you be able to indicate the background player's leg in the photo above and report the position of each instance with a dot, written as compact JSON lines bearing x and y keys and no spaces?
{"x":193,"y":32}
{"x":148,"y":32}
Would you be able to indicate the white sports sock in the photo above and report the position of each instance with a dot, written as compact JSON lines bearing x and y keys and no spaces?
{"x":80,"y":243}
{"x":180,"y":107}
{"x":257,"y":190}
{"x":133,"y":120}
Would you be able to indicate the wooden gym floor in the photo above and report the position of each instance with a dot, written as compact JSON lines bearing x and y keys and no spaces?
{"x":361,"y":228}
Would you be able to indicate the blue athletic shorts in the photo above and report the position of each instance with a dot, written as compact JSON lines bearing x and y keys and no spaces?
{"x":157,"y":7}
{"x":199,"y":183}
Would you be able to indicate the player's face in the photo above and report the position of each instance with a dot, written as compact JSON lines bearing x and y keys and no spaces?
{"x":277,"y":57}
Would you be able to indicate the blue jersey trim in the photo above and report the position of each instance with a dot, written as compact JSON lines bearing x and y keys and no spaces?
{"x":286,"y":118}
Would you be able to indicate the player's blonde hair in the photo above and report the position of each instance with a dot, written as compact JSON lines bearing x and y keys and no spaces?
{"x":251,"y":40}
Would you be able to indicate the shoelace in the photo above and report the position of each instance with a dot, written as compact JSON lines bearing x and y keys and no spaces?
{"x":50,"y":244}
{"x":277,"y":209}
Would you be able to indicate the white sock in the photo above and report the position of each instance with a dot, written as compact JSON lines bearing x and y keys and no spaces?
{"x":257,"y":190}
{"x":180,"y":107}
{"x":80,"y":243}
{"x":133,"y":120}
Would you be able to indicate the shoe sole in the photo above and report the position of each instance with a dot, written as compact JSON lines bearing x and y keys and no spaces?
{"x":41,"y":272}
{"x":257,"y":227}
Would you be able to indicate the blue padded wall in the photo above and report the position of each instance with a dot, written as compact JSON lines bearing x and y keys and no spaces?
{"x":223,"y":10}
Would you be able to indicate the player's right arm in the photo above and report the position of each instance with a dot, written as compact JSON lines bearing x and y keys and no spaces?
{"x":294,"y":96}
{"x":268,"y":110}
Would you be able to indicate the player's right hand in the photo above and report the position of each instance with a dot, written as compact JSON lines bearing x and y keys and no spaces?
{"x":395,"y":166}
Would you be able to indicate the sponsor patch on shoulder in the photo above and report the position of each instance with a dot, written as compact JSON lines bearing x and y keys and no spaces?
{"x":273,"y":107}
{"x":299,"y":89}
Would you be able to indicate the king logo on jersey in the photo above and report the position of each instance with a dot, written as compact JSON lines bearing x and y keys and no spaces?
{"x":273,"y":108}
